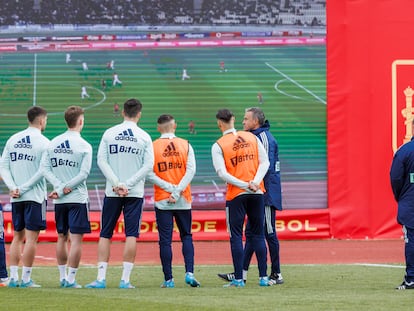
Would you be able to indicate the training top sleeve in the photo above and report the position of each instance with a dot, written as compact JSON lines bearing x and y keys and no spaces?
{"x":103,"y":163}
{"x":84,"y":170}
{"x":263,"y":163}
{"x":147,"y":164}
{"x":220,"y":167}
{"x":5,"y":171}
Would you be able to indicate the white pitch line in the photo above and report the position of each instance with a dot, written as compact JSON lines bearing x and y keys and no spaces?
{"x":296,"y":83}
{"x":379,"y":265}
{"x":348,"y":264}
{"x":283,"y":92}
{"x":215,"y":185}
{"x":45,"y":258}
{"x":62,"y":112}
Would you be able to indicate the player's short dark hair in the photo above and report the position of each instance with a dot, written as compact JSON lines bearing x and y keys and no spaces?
{"x":257,"y":114}
{"x":132,"y":107}
{"x":165,"y":118}
{"x":34,"y":112}
{"x":224,"y":115}
{"x":72,"y":115}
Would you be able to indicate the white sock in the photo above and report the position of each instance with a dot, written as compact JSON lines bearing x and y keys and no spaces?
{"x":71,"y":275}
{"x":14,"y":272}
{"x":126,"y":272}
{"x":245,"y":274}
{"x":102,"y":266}
{"x":26,"y":274}
{"x":62,"y":272}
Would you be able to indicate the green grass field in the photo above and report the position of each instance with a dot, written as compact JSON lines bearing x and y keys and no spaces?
{"x":292,"y":80}
{"x":307,"y":287}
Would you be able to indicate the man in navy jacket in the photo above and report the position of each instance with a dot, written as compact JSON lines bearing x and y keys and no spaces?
{"x":402,"y":183}
{"x":255,"y":122}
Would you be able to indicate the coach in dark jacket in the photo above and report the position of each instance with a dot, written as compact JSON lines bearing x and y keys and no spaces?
{"x":273,"y":195}
{"x":402,"y":183}
{"x":254,"y":121}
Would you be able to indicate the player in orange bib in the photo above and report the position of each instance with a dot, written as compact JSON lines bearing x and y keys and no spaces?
{"x":241,"y":161}
{"x":174,"y":168}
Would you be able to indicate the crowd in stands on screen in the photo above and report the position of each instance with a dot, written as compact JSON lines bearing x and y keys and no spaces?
{"x":68,"y":59}
{"x":158,"y":12}
{"x":84,"y":66}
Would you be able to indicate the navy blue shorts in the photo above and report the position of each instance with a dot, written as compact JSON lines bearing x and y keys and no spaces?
{"x":73,"y":217}
{"x":251,"y":205}
{"x":112,"y":208}
{"x":29,"y":215}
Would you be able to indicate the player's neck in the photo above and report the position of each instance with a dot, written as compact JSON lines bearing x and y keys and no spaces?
{"x":75,"y":129}
{"x":135,"y":120}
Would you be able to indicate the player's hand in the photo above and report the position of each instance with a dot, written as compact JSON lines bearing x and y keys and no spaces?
{"x":253,"y":187}
{"x":15,"y":193}
{"x":171,"y":200}
{"x":122,"y":191}
{"x":67,"y":190}
{"x":53,"y":195}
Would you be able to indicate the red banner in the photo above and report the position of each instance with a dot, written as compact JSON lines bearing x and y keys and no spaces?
{"x":207,"y":225}
{"x":370,"y":70}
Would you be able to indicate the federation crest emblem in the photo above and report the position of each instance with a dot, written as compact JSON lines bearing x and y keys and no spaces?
{"x":402,"y":101}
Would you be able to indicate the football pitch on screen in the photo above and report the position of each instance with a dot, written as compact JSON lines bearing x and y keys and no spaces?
{"x":291,"y":80}
{"x":307,"y":287}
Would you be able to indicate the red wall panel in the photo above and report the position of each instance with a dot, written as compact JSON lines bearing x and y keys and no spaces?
{"x":364,"y":38}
